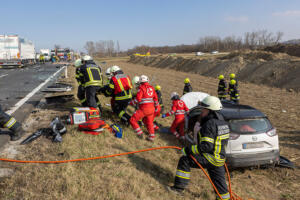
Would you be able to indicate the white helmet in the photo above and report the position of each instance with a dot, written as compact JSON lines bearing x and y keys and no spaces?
{"x":174,"y":95}
{"x":78,"y":63}
{"x":114,"y":69}
{"x":211,"y":103}
{"x":87,"y":58}
{"x":108,"y":73}
{"x":136,"y":80}
{"x":144,"y":79}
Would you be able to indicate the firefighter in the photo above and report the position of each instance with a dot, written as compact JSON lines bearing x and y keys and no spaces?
{"x":178,"y":109}
{"x":160,"y":108}
{"x":232,"y":76}
{"x":159,"y":96}
{"x":136,"y":84}
{"x":108,"y":75}
{"x":210,"y":150}
{"x":234,"y":92}
{"x":222,"y":88}
{"x":147,"y":101}
{"x":42,"y":59}
{"x":11,"y":123}
{"x":91,"y":75}
{"x":79,"y":79}
{"x":187,"y":86}
{"x":120,"y":89}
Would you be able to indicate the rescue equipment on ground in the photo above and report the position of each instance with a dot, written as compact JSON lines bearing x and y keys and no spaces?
{"x":97,"y":126}
{"x":80,"y":115}
{"x":92,"y":126}
{"x":56,"y":130}
{"x":117,"y":130}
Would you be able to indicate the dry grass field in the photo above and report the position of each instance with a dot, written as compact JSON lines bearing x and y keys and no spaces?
{"x":145,"y":175}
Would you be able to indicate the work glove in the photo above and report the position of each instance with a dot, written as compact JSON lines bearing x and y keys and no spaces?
{"x":186,"y":151}
{"x":163,"y":116}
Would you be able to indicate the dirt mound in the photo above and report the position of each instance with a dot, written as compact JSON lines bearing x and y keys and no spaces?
{"x":260,"y":67}
{"x":291,"y":49}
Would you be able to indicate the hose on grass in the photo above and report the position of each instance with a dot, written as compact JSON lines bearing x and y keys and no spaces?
{"x":233,"y":196}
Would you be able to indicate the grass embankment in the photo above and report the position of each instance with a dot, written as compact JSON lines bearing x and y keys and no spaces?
{"x":145,"y":175}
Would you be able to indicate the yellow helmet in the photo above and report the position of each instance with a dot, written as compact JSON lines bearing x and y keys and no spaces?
{"x":221,"y":77}
{"x":232,"y":82}
{"x":187,"y":80}
{"x":157,"y":87}
{"x":232,"y":75}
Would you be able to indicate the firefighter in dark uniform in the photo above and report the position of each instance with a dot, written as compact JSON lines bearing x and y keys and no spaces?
{"x":187,"y":86}
{"x":209,"y":152}
{"x":91,"y":75}
{"x":159,"y":96}
{"x":120,"y":89}
{"x":11,"y":123}
{"x":222,"y":88}
{"x":79,"y":78}
{"x":232,"y":77}
{"x":234,"y":92}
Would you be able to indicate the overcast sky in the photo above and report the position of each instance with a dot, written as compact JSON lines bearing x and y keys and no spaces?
{"x":70,"y":23}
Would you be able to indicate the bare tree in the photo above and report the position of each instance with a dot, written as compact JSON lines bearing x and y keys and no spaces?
{"x":117,"y":48}
{"x":90,"y":48}
{"x":278,"y":37}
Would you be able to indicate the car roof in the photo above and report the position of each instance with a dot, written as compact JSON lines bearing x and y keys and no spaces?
{"x":237,"y":111}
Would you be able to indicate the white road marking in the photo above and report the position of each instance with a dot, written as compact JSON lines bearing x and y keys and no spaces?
{"x":28,"y":96}
{"x":3,"y":75}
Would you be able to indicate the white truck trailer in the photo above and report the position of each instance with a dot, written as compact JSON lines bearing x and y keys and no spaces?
{"x":27,"y":52}
{"x":16,"y":51}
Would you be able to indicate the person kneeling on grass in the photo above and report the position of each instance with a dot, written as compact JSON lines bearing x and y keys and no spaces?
{"x":178,"y":109}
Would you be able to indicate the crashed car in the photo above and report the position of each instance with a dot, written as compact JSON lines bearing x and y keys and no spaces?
{"x":253,"y":140}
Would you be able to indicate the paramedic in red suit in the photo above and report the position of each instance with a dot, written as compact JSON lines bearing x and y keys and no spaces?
{"x":147,"y":101}
{"x":179,"y":109}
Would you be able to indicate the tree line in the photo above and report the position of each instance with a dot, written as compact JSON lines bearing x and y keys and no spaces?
{"x":250,"y":40}
{"x":103,"y":48}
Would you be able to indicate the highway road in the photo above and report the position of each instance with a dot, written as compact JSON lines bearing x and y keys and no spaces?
{"x":21,"y":88}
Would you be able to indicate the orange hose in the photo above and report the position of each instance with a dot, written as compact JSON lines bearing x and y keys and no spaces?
{"x":92,"y":158}
{"x":232,"y":194}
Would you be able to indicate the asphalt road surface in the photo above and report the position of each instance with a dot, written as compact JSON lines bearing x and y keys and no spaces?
{"x":16,"y":84}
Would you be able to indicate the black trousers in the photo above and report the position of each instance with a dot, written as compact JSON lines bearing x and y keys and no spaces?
{"x":119,"y":108}
{"x":91,"y":96}
{"x":7,"y":121}
{"x":217,"y":174}
{"x":81,"y":95}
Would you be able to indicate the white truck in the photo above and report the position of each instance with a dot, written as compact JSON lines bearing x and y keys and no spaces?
{"x":27,"y":52}
{"x":46,"y":53}
{"x":16,"y":51}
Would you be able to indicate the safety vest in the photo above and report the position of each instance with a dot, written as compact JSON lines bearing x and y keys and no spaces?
{"x":217,"y":157}
{"x":121,"y":84}
{"x":92,"y":75}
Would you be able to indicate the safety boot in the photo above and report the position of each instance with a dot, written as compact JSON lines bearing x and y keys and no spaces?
{"x":17,"y":134}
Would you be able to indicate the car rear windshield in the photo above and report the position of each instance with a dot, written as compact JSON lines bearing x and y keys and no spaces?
{"x":248,"y":126}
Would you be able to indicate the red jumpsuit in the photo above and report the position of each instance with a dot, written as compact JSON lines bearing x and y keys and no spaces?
{"x":146,"y":98}
{"x":156,"y":114}
{"x":178,"y":108}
